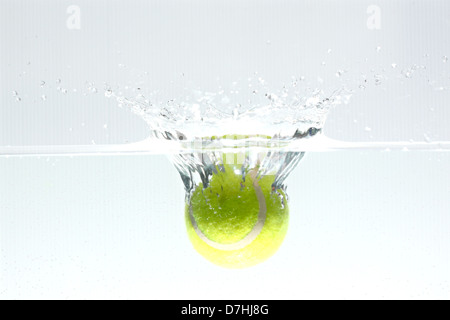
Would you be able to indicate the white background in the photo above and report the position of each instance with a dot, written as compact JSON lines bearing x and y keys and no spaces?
{"x":362,"y":224}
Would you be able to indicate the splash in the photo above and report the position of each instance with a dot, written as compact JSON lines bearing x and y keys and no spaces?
{"x":252,"y":109}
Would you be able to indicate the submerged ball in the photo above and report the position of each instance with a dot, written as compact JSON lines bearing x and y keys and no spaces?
{"x":237,"y":222}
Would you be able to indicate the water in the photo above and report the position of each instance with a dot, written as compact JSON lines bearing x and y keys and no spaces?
{"x":363,"y":224}
{"x":247,"y":108}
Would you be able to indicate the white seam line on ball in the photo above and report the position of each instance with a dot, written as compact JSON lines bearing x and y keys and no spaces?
{"x":256,"y":230}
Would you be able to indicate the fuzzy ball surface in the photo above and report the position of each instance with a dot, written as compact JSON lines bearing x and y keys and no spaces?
{"x":237,"y":221}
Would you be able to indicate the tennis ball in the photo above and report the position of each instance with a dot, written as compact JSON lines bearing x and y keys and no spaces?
{"x":237,"y":221}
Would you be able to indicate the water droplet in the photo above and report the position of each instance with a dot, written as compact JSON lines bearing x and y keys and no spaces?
{"x":427,"y":138}
{"x":329,"y":51}
{"x":378,"y":49}
{"x":105,"y":126}
{"x":268,"y":42}
{"x":408,"y":73}
{"x":378,"y":79}
{"x":255,"y":91}
{"x":64,"y":90}
{"x":394,"y":65}
{"x":83,"y":124}
{"x":445,"y":59}
{"x":15,"y":93}
{"x":18,"y":99}
{"x":362,"y":87}
{"x":108,"y":93}
{"x":339,"y":73}
{"x":58,"y":81}
{"x":235,"y":113}
{"x":368,"y":129}
{"x":272,"y":97}
{"x":324,"y":63}
{"x":43,"y":97}
{"x":42,"y":84}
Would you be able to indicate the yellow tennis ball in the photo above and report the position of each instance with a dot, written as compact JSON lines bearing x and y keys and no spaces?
{"x":237,"y":221}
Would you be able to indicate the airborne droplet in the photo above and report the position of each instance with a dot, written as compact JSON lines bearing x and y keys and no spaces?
{"x":108,"y":93}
